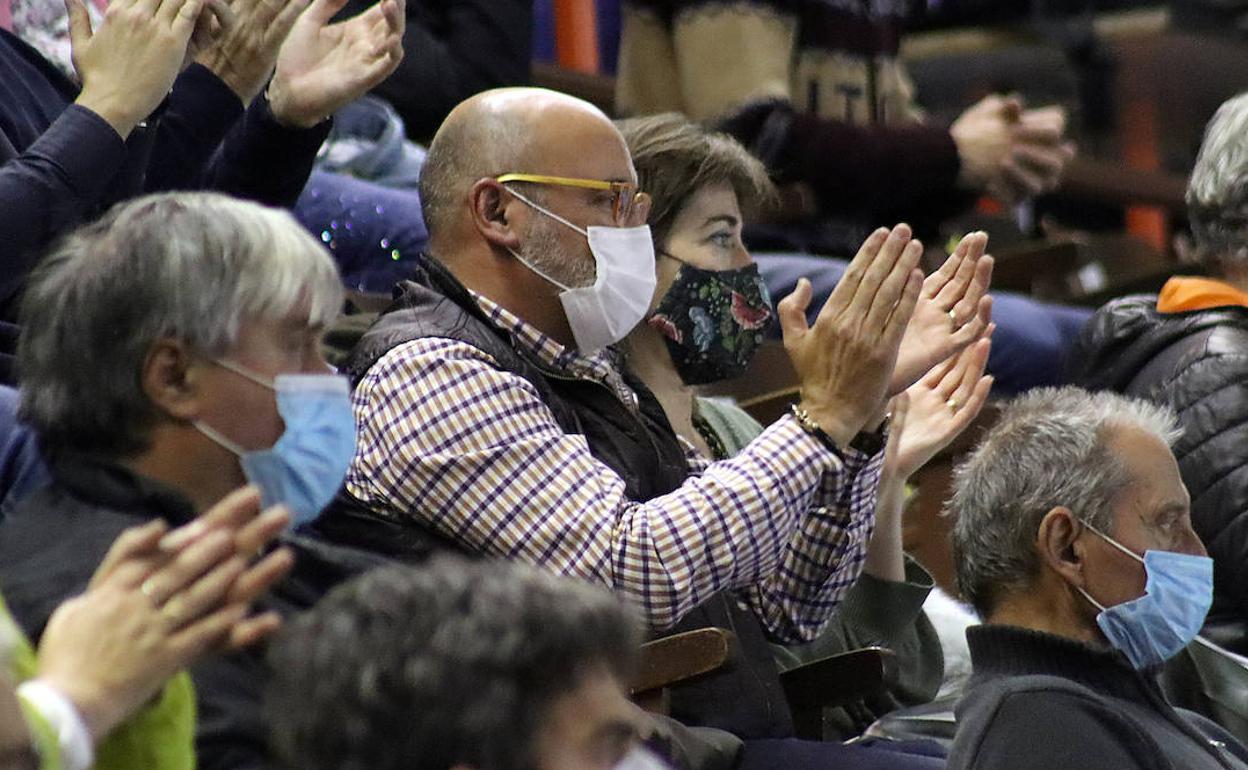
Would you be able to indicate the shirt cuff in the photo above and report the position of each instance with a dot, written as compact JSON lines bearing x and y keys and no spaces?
{"x":73,"y":737}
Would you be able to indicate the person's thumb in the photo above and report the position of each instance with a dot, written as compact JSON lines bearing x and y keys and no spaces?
{"x":792,"y":311}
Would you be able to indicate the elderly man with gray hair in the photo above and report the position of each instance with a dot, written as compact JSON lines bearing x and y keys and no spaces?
{"x":1073,"y":540}
{"x":1188,"y":348}
{"x":170,"y":353}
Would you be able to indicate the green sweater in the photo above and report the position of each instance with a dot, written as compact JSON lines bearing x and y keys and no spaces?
{"x":160,"y":737}
{"x":874,"y":612}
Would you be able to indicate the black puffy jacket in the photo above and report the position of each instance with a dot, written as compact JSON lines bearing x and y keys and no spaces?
{"x":1195,"y":362}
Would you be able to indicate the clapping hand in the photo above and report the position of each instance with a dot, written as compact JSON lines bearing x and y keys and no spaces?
{"x":323,"y":66}
{"x":1010,"y":152}
{"x":953,"y":311}
{"x":159,"y":602}
{"x":845,"y":361}
{"x":932,"y":412}
{"x":128,"y":65}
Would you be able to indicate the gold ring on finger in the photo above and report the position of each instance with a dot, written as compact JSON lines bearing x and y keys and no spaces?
{"x":954,"y":404}
{"x":172,"y":612}
{"x":148,"y":589}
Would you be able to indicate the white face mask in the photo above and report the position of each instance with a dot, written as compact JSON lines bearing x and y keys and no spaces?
{"x":605,"y":312}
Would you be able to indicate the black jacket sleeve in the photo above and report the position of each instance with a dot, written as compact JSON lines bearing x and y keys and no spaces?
{"x":52,"y":186}
{"x":200,"y":111}
{"x":262,"y":160}
{"x":452,"y":50}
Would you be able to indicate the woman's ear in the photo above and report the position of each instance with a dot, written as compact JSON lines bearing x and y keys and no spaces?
{"x":494,"y":211}
{"x":1060,"y":546}
{"x":172,"y":379}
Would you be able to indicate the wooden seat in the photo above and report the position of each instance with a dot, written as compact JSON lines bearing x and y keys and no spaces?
{"x":837,"y":680}
{"x":675,"y":659}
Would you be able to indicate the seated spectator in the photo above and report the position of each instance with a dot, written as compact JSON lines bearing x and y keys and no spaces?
{"x":483,"y":665}
{"x":705,"y":324}
{"x":68,"y":152}
{"x":106,"y":653}
{"x":171,"y":352}
{"x":1073,"y":541}
{"x":1188,"y":348}
{"x":818,"y":92}
{"x":495,"y":418}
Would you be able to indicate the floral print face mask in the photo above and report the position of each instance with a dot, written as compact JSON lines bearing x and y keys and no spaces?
{"x":713,"y":321}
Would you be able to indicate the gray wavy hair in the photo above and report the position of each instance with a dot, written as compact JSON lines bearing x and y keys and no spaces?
{"x":1217,"y":193}
{"x":192,"y":266}
{"x":1050,"y":448}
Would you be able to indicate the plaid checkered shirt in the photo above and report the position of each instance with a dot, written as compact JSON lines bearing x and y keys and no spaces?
{"x":447,"y":436}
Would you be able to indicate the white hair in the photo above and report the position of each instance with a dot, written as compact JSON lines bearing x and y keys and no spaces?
{"x":192,"y":266}
{"x":1050,"y":448}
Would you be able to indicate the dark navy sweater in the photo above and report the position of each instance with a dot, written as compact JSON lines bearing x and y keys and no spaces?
{"x":61,"y":165}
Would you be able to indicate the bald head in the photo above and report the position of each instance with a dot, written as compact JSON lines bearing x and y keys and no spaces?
{"x":527,"y":130}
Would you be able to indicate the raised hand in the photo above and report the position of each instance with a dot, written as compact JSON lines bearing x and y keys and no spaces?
{"x":953,"y":311}
{"x":324,"y":66}
{"x":160,"y":601}
{"x":845,"y":361}
{"x":247,"y":44}
{"x":937,"y":409}
{"x":128,"y":65}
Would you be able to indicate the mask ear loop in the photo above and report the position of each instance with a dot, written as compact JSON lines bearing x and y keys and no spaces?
{"x":1241,"y":660}
{"x":547,"y":212}
{"x":1115,"y":544}
{"x":557,"y":218}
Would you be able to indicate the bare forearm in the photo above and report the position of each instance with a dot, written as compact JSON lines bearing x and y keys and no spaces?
{"x":885,"y":555}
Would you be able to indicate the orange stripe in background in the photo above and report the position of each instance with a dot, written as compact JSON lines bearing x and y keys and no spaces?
{"x":1139,"y":132}
{"x":576,"y":35}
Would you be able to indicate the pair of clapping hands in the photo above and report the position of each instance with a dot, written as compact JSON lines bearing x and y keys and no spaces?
{"x":160,"y":601}
{"x":129,"y":63}
{"x":886,"y":329}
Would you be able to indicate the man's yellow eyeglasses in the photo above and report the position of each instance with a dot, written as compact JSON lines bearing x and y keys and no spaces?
{"x":624,"y":195}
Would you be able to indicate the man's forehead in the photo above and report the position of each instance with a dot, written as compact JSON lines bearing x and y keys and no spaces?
{"x":579,"y":145}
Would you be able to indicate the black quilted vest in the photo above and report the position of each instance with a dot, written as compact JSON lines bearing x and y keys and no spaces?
{"x":635,"y":440}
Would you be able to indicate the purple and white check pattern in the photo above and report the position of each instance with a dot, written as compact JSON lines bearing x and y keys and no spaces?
{"x":447,"y":436}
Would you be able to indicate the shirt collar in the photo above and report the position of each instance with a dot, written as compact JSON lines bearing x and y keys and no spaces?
{"x":599,"y":366}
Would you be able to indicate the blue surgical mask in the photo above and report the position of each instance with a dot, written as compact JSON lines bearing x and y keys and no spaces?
{"x":1178,"y":591}
{"x":306,"y":466}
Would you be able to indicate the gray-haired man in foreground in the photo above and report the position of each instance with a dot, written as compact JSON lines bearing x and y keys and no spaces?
{"x":1074,"y":542}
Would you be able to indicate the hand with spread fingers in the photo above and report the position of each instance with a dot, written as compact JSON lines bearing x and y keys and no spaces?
{"x":247,"y":43}
{"x":159,"y":602}
{"x":926,"y":417}
{"x":953,"y":311}
{"x":323,"y":66}
{"x":939,"y":407}
{"x":845,"y":361}
{"x":128,"y":65}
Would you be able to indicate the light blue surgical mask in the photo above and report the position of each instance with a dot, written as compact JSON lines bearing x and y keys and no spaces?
{"x":1178,"y":591}
{"x":306,"y":466}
